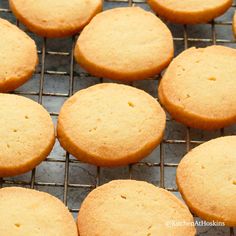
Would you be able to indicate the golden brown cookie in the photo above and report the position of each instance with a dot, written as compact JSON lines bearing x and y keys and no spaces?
{"x":206,"y":178}
{"x":190,"y":11}
{"x":110,"y":124}
{"x":30,"y":212}
{"x":198,"y":88}
{"x":125,"y":44}
{"x":26,"y":134}
{"x":55,"y":18}
{"x":18,"y":56}
{"x":129,"y":207}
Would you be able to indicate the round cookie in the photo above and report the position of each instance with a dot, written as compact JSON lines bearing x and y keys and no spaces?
{"x":125,"y":44}
{"x":30,"y":212}
{"x":110,"y":124}
{"x":206,"y":178}
{"x":198,"y":88}
{"x":26,"y":134}
{"x":55,"y":18}
{"x":18,"y":56}
{"x":129,"y":207}
{"x":190,"y":11}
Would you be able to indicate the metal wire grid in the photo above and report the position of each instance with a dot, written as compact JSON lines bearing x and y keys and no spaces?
{"x":71,"y":73}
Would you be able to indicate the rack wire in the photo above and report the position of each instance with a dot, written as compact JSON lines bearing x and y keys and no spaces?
{"x":68,"y":160}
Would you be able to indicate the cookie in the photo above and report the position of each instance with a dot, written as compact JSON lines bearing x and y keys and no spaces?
{"x":26,"y":134}
{"x":129,"y":207}
{"x":190,"y":11}
{"x":110,"y":124}
{"x":30,"y":212}
{"x":18,"y":57}
{"x":55,"y":18}
{"x":234,"y":24}
{"x":198,"y":88}
{"x":206,"y":178}
{"x":124,"y":44}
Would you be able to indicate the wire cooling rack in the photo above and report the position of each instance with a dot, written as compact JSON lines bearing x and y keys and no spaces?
{"x":160,"y":167}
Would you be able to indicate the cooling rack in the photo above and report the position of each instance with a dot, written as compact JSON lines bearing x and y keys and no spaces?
{"x":57,"y":68}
